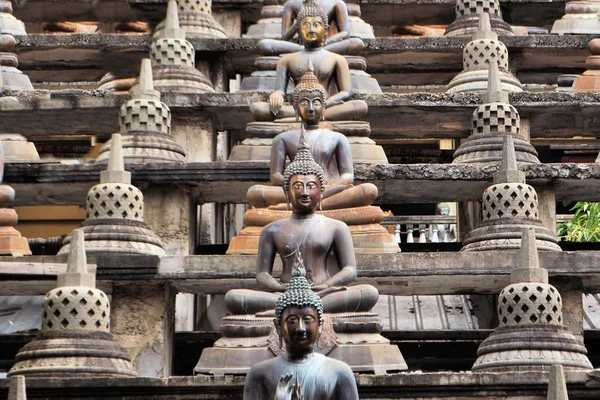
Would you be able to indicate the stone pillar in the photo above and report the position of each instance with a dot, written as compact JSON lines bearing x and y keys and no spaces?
{"x":142,"y":322}
{"x":573,"y":310}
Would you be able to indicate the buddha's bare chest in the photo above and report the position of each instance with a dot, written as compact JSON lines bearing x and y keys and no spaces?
{"x":323,"y":64}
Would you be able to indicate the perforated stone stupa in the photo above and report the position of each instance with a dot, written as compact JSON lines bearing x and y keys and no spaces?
{"x":531,"y":335}
{"x":145,"y":124}
{"x":173,"y":59}
{"x":508,"y":206}
{"x":483,"y":50}
{"x":581,"y":17}
{"x":491,"y":121}
{"x":11,"y":77}
{"x":196,"y":19}
{"x":467,"y":14}
{"x":75,"y":336}
{"x":115,"y":213}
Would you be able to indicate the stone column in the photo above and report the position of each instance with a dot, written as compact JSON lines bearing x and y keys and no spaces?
{"x":142,"y":322}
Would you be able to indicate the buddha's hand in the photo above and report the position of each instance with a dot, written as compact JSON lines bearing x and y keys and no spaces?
{"x":330,"y":102}
{"x":324,"y":290}
{"x":276,"y":101}
{"x":285,"y":388}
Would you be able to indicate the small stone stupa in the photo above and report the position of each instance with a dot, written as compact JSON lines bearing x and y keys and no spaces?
{"x":11,"y":241}
{"x":11,"y":78}
{"x":196,"y":19}
{"x":509,"y":205}
{"x":581,"y":17}
{"x":531,"y":335}
{"x":145,"y":124}
{"x":483,"y":50}
{"x":115,"y":213}
{"x":75,"y":336}
{"x":173,"y":59}
{"x":468,"y":12}
{"x":490,"y":122}
{"x":589,"y":81}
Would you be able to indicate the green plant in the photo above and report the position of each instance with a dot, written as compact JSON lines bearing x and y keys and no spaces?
{"x":585,"y":224}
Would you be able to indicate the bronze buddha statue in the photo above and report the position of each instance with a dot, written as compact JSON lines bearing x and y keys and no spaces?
{"x":331,"y":70}
{"x":331,"y":151}
{"x":300,"y":373}
{"x":304,"y":184}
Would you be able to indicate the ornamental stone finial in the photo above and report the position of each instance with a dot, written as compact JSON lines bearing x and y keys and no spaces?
{"x":115,"y":171}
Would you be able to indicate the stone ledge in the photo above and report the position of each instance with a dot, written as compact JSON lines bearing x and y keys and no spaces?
{"x":228,"y":182}
{"x":398,"y":274}
{"x":391,"y":115}
{"x":392,"y":386}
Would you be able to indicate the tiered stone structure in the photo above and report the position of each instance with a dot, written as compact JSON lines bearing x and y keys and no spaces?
{"x":115,"y":213}
{"x":589,"y":81}
{"x":75,"y":336}
{"x":11,"y":241}
{"x":468,"y":12}
{"x":173,"y":59}
{"x":483,"y":50}
{"x":11,"y":77}
{"x":145,"y":124}
{"x":491,"y":121}
{"x":581,"y":17}
{"x":531,"y":335}
{"x":509,"y":205}
{"x":196,"y":19}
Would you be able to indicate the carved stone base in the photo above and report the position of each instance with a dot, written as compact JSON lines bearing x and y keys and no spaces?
{"x":146,"y":147}
{"x":12,"y":243}
{"x":70,"y":353}
{"x":483,"y":148}
{"x":180,"y":79}
{"x":505,"y":234}
{"x":264,"y":78}
{"x":367,"y":235}
{"x":476,"y":81}
{"x":531,"y":347}
{"x":364,"y":151}
{"x":467,"y":26}
{"x":13,"y":79}
{"x":117,"y":236}
{"x":589,"y":81}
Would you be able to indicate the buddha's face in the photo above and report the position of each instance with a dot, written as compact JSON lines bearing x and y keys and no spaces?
{"x":310,"y":107}
{"x":305,"y":192}
{"x":300,"y":329}
{"x":313,"y":30}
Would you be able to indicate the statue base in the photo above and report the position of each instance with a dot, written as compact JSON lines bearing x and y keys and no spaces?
{"x":264,"y":78}
{"x":13,"y":79}
{"x":368,"y":236}
{"x":17,"y":149}
{"x":589,"y":81}
{"x":581,"y":18}
{"x":12,"y":243}
{"x":353,"y":338}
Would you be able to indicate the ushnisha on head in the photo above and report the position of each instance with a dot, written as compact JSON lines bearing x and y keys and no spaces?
{"x":299,"y":294}
{"x":303,"y":164}
{"x":309,"y":83}
{"x":311,"y":9}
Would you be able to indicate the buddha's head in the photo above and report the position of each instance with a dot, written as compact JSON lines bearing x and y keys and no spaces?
{"x":312,"y":23}
{"x":299,"y":314}
{"x":309,"y":98}
{"x":304,"y":180}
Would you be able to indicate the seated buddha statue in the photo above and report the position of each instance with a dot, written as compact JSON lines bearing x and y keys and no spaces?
{"x":337,"y":41}
{"x":314,"y":236}
{"x":331,"y":70}
{"x":300,"y":373}
{"x":330,"y":150}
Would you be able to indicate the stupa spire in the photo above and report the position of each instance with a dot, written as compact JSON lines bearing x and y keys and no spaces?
{"x":484,"y":28}
{"x":115,"y":171}
{"x":77,"y":273}
{"x":494,"y":93}
{"x":557,"y":386}
{"x":172,"y":28}
{"x":509,"y":172}
{"x":16,"y":388}
{"x":144,"y":90}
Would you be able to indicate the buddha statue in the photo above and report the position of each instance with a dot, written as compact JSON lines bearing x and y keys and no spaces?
{"x":300,"y":373}
{"x":324,"y":246}
{"x":331,"y":70}
{"x":331,"y":150}
{"x":335,"y":11}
